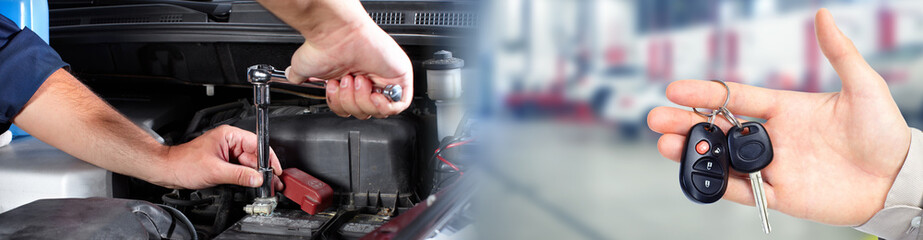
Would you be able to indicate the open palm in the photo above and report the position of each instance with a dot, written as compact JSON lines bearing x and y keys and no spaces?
{"x":836,"y":154}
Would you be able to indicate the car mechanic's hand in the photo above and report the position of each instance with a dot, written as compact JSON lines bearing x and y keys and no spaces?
{"x":836,"y":154}
{"x":206,"y":161}
{"x":345,"y":47}
{"x":97,"y":133}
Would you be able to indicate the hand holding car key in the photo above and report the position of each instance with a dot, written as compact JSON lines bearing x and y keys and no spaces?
{"x":836,"y":155}
{"x":750,"y":150}
{"x":703,"y":165}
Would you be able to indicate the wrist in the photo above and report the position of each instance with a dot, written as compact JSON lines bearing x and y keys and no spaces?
{"x":160,"y":171}
{"x":907,"y":179}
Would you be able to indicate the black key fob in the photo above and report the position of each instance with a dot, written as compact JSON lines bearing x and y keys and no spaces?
{"x":703,"y":170}
{"x":751,"y":152}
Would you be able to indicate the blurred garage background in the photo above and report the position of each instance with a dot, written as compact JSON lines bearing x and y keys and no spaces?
{"x":571,"y":82}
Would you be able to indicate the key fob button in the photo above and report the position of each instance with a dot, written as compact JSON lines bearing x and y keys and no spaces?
{"x":701,"y":147}
{"x":750,"y":151}
{"x":708,"y":165}
{"x":705,"y":184}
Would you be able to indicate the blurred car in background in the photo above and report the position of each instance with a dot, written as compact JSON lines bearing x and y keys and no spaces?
{"x":623,"y":97}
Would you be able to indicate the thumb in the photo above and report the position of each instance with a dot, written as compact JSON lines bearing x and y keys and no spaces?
{"x":307,"y":62}
{"x":857,"y":76}
{"x":239,"y":175}
{"x":293,"y":77}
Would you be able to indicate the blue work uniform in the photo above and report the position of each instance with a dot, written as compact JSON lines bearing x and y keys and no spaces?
{"x":25,"y":62}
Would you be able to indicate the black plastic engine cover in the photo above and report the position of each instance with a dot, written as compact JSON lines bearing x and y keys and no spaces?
{"x":369,"y":160}
{"x":91,"y":218}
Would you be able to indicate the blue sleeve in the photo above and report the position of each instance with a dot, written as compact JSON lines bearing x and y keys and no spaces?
{"x":25,"y":62}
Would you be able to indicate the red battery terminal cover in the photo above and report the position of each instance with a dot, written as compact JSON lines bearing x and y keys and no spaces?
{"x":311,"y":193}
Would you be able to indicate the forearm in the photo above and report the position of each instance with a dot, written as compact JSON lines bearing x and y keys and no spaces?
{"x":317,"y":18}
{"x":67,"y":115}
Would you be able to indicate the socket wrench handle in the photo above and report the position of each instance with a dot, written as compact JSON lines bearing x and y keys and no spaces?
{"x":265,"y":73}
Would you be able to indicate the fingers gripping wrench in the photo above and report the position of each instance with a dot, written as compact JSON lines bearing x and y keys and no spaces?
{"x":260,"y":76}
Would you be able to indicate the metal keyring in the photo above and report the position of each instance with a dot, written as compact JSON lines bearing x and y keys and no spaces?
{"x":730,"y":117}
{"x":711,"y":116}
{"x":707,"y":115}
{"x":727,"y":97}
{"x":724,"y":108}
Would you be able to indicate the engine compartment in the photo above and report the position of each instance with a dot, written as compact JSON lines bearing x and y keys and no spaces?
{"x":369,"y":163}
{"x":378,"y":168}
{"x":177,"y":82}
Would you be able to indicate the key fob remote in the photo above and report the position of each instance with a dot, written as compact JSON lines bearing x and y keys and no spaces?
{"x":703,"y":171}
{"x":751,"y":152}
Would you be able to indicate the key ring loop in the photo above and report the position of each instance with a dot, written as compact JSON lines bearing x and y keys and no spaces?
{"x":711,"y":116}
{"x":727,"y":97}
{"x":724,"y":108}
{"x":706,"y":115}
{"x":730,"y":117}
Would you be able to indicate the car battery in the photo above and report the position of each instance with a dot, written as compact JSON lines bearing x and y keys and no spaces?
{"x":282,"y":224}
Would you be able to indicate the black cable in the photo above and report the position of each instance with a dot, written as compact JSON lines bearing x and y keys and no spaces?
{"x":438,"y":184}
{"x":182,"y":217}
{"x":446,"y":142}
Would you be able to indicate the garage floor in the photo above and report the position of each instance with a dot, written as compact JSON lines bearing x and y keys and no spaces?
{"x":574,"y":181}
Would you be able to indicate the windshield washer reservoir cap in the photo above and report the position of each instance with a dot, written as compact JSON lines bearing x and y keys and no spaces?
{"x":443,"y":60}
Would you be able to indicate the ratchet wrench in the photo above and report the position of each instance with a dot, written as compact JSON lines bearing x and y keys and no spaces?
{"x":260,"y":76}
{"x":264,"y":73}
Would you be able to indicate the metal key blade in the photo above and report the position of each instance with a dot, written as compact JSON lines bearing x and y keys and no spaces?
{"x":759,"y":196}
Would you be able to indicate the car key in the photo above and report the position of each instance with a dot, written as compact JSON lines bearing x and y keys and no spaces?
{"x":703,"y":171}
{"x":749,"y":153}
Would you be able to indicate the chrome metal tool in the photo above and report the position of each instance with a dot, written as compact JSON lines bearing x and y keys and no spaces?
{"x":265,"y":73}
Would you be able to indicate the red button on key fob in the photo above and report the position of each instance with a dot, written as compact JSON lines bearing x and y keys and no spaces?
{"x":701,"y":147}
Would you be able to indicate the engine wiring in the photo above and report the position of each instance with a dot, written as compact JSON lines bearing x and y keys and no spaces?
{"x":449,"y":142}
{"x":177,"y":214}
{"x":461,"y":137}
{"x":457,"y":143}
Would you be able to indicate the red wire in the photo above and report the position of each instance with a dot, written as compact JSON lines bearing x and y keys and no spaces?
{"x":458,"y":143}
{"x":460,"y":172}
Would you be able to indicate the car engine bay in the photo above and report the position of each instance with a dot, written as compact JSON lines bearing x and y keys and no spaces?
{"x":178,"y":69}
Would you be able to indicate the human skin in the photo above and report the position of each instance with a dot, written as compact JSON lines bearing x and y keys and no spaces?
{"x":342,"y":45}
{"x":345,"y":48}
{"x":836,"y":154}
{"x":67,"y":115}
